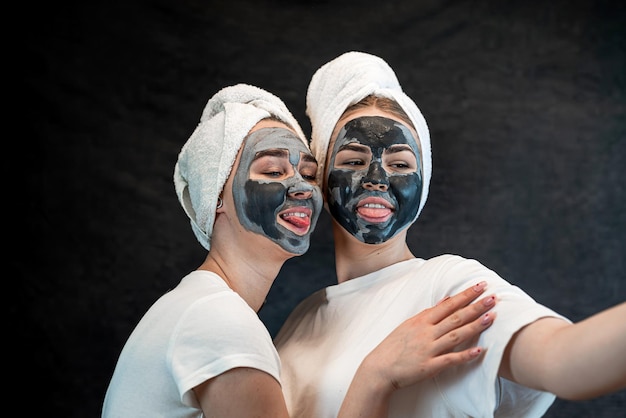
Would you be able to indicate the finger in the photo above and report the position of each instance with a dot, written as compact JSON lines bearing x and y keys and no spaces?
{"x":442,"y":362}
{"x":467,"y":332}
{"x":464,"y":315}
{"x":452,"y":303}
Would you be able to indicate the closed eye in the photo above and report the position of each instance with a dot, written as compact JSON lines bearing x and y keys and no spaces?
{"x":308,"y":167}
{"x":272,"y":165}
{"x":272,"y":173}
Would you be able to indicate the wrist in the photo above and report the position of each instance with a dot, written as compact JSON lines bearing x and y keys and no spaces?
{"x":373,"y":373}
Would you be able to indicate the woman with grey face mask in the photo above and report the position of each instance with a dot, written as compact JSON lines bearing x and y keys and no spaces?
{"x":246,"y":180}
{"x":374,"y":166}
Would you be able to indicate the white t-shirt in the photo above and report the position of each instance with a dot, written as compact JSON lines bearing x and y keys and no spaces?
{"x":195,"y":332}
{"x":325,"y":339}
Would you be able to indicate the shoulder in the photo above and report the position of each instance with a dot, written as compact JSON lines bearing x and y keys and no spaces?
{"x":449,"y":274}
{"x":458,"y":267}
{"x":221,"y":325}
{"x":220,"y":310}
{"x":451,"y":260}
{"x":205,"y":309}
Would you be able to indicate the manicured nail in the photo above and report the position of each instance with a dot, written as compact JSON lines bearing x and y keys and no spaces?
{"x":486,"y":319}
{"x":479,"y":286}
{"x":475,"y":351}
{"x":489,"y":301}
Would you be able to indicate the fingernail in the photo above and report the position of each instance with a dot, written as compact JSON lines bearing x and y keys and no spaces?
{"x":479,"y":286}
{"x":486,"y":319}
{"x":489,"y":301}
{"x":475,"y":351}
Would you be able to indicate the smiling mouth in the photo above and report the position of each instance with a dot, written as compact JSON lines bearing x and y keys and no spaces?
{"x":297,"y":220}
{"x":374,"y":210}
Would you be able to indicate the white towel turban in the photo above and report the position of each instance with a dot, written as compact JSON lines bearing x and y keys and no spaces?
{"x":347,"y":80}
{"x":206,"y":159}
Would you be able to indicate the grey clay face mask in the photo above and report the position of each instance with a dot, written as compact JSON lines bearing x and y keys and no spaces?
{"x":374,"y":180}
{"x":260,"y":202}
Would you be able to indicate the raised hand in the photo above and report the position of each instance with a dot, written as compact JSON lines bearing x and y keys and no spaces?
{"x":420,"y":348}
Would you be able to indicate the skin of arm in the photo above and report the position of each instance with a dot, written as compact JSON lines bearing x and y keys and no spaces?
{"x":242,"y":392}
{"x":573,"y":361}
{"x":418,"y":349}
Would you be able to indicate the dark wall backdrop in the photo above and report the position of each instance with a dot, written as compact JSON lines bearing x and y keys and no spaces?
{"x":526,"y":102}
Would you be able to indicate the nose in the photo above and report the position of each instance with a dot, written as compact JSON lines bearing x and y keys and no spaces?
{"x":300,"y":191}
{"x":300,"y":194}
{"x":375,"y":179}
{"x":375,"y":187}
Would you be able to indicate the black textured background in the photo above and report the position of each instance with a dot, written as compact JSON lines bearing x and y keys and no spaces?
{"x":526,"y":102}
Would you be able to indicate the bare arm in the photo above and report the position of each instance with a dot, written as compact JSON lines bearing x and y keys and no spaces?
{"x":416,"y":350}
{"x":242,"y":392}
{"x":573,"y":361}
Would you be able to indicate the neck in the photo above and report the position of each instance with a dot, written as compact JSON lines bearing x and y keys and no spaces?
{"x":354,"y":258}
{"x":250,"y":275}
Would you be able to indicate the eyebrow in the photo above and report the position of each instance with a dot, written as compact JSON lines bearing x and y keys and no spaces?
{"x":283,"y":153}
{"x":391,"y":150}
{"x":353,"y":147}
{"x":399,"y":148}
{"x":309,"y":158}
{"x":276,"y":152}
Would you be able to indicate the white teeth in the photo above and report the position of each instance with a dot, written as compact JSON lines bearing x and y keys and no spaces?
{"x":298,"y":214}
{"x":374,"y":205}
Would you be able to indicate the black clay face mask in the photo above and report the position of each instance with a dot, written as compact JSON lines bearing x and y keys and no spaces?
{"x":374,"y":180}
{"x":275,"y":171}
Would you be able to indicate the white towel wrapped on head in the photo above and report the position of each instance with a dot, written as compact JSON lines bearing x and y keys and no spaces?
{"x":347,"y":80}
{"x":206,"y":159}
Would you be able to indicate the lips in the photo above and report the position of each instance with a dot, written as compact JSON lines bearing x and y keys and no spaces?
{"x":374,"y":209}
{"x":296,"y":219}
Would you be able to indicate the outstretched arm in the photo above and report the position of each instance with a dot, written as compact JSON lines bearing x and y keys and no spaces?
{"x":418,"y":349}
{"x":573,"y":361}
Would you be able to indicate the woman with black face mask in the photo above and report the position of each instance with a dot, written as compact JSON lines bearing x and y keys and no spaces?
{"x":374,"y":167}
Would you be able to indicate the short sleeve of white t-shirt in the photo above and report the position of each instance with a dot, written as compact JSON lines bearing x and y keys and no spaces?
{"x":217,"y":333}
{"x":514,"y":309}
